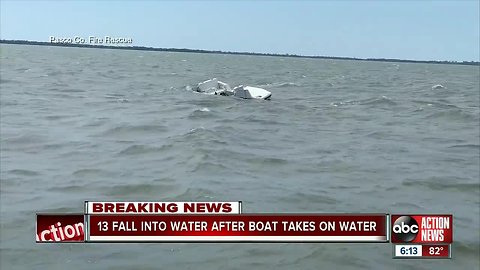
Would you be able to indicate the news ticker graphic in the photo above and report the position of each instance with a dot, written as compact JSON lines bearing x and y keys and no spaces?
{"x":238,"y":228}
{"x":413,"y":236}
{"x":212,"y":228}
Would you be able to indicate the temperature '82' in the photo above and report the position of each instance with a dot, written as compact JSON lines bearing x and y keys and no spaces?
{"x":435,"y":251}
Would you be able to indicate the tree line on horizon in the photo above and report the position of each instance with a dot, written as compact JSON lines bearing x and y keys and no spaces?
{"x":143,"y":48}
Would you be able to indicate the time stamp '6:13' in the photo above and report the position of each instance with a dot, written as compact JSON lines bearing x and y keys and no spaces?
{"x":422,"y":251}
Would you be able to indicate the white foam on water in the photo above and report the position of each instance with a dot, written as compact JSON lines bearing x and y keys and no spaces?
{"x":438,"y":86}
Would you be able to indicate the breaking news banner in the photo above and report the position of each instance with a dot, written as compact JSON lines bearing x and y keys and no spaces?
{"x":155,"y":208}
{"x":422,"y":236}
{"x":239,"y":228}
{"x":412,"y":236}
{"x":206,"y":222}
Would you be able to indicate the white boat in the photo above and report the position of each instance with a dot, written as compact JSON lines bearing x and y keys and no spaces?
{"x":216,"y":87}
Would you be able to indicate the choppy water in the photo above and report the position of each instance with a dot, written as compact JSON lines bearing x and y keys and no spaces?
{"x":337,"y":136}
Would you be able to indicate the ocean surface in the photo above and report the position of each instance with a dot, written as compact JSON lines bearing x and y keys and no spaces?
{"x":338,"y":136}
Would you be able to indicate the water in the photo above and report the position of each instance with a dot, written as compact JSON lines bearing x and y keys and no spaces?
{"x":337,"y":136}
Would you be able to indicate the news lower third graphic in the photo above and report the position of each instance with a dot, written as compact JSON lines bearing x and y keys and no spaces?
{"x":422,"y":236}
{"x":412,"y":236}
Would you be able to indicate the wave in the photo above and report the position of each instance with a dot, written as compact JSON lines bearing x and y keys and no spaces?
{"x":268,"y":161}
{"x":209,"y":101}
{"x":70,"y":188}
{"x":114,"y":95}
{"x":344,"y":103}
{"x":317,"y":199}
{"x":444,"y":183}
{"x":140,"y":189}
{"x":167,"y":74}
{"x":5,"y":103}
{"x":463,"y":248}
{"x":467,"y":146}
{"x":210,"y":166}
{"x":454,"y":114}
{"x":254,"y":119}
{"x":383,"y":100}
{"x":139,"y":149}
{"x":23,"y":172}
{"x":7,"y":81}
{"x":438,"y":87}
{"x":195,"y":194}
{"x":331,"y":259}
{"x":73,"y":90}
{"x":59,"y":117}
{"x":202,"y":135}
{"x":25,"y":139}
{"x":133,"y":130}
{"x":279,"y":84}
{"x":96,"y":122}
{"x":406,"y":205}
{"x":91,"y":172}
{"x":23,"y":69}
{"x":202,"y":114}
{"x":439,"y":104}
{"x":54,"y":73}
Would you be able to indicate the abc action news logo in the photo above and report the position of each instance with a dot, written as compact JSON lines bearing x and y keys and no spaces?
{"x":422,"y":228}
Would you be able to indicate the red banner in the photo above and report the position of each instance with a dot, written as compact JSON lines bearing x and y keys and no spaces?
{"x":418,"y":229}
{"x":60,"y":228}
{"x":239,"y":228}
{"x":437,"y":251}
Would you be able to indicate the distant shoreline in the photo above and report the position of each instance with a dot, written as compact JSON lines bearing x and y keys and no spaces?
{"x":142,"y":48}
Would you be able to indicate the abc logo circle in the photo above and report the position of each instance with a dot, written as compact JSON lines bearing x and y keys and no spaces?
{"x":405,"y":228}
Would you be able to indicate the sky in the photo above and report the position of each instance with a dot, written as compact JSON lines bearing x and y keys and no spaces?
{"x":417,"y":30}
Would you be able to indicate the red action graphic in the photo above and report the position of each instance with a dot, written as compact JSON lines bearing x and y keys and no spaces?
{"x":60,"y":228}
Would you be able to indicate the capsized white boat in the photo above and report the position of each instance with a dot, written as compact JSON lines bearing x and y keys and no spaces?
{"x":216,"y":87}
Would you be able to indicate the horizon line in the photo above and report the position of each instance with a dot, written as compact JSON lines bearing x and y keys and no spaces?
{"x":187,"y":50}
